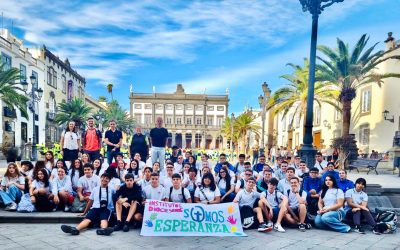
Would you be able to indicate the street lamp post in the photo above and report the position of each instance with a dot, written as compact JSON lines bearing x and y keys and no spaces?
{"x":315,"y":7}
{"x":232,"y":121}
{"x":35,"y":95}
{"x":263,"y":101}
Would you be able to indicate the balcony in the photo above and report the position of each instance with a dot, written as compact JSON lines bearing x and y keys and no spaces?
{"x":8,"y":112}
{"x":51,"y":116}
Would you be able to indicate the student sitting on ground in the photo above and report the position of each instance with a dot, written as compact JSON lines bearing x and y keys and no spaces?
{"x":177,"y":193}
{"x":59,"y":164}
{"x":191,"y":182}
{"x":145,"y":180}
{"x":344,"y":183}
{"x":61,"y":188}
{"x":262,"y":184}
{"x":331,"y":213}
{"x":98,"y":168}
{"x":280,"y":173}
{"x":226,"y":185}
{"x":208,"y":192}
{"x":166,"y":180}
{"x":240,"y":184}
{"x":114,"y":182}
{"x":75,"y":173}
{"x":312,"y":185}
{"x":284,"y":184}
{"x":274,"y":205}
{"x":250,"y":198}
{"x":86,"y":184}
{"x":297,"y":209}
{"x":129,"y":204}
{"x":357,"y":202}
{"x":40,"y":192}
{"x":100,"y":205}
{"x":12,"y":186}
{"x":154,"y":191}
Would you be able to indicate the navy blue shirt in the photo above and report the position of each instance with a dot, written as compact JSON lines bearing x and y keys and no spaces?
{"x":159,"y":137}
{"x":345,"y":185}
{"x":114,"y":138}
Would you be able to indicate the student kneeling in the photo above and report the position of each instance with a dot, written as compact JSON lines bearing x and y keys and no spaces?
{"x":248,"y":198}
{"x":128,"y":205}
{"x":100,"y":205}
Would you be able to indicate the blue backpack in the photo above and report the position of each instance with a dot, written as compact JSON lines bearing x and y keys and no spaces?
{"x":25,"y":205}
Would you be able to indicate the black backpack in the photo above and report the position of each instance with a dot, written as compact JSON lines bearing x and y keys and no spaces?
{"x":183,"y":194}
{"x":249,"y":219}
{"x":386,"y":222}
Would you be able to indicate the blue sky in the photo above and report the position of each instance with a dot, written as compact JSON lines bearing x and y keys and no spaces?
{"x":205,"y":45}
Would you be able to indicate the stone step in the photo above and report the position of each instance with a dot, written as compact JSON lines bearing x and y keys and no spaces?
{"x":39,"y":217}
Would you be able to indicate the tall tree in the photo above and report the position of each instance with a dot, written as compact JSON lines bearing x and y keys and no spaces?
{"x":114,"y":111}
{"x":110,"y":90}
{"x":293,"y":96}
{"x":75,"y":110}
{"x":243,"y":125}
{"x":228,"y":130}
{"x":102,"y":99}
{"x":10,"y":90}
{"x":351,"y":70}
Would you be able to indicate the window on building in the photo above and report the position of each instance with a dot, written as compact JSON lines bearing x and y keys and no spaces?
{"x":220,"y":108}
{"x":338,"y":115}
{"x":147,"y":106}
{"x":51,"y":77}
{"x":284,"y":123}
{"x":189,"y":107}
{"x":210,"y":120}
{"x":159,"y":107}
{"x":168,"y":120}
{"x":317,"y":115}
{"x":364,"y":134}
{"x":210,"y":108}
{"x":220,"y":120}
{"x":24,"y":131}
{"x":179,"y":120}
{"x":52,"y":104}
{"x":169,"y":107}
{"x":198,"y":120}
{"x":138,"y":117}
{"x":35,"y":74}
{"x":189,"y":120}
{"x":138,"y":106}
{"x":64,"y":84}
{"x":199,"y":108}
{"x":366,"y":101}
{"x":6,"y":60}
{"x":298,"y":118}
{"x":148,"y":119}
{"x":337,"y":133}
{"x":22,"y":72}
{"x":179,"y":107}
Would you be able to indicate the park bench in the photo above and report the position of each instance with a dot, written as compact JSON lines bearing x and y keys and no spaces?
{"x":371,"y":164}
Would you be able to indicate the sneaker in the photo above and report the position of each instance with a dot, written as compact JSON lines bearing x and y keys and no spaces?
{"x":118,"y":226}
{"x":302,"y":227}
{"x":376,"y":232}
{"x":264,"y":228}
{"x":126,"y":227}
{"x":359,"y":230}
{"x":279,"y":228}
{"x":105,"y":231}
{"x":11,"y":207}
{"x":308,"y":226}
{"x":69,"y":230}
{"x":66,"y":209}
{"x":270,"y":224}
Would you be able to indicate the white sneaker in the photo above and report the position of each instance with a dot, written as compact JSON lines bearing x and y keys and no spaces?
{"x":66,"y":209}
{"x":11,"y":207}
{"x":279,"y":228}
{"x":270,"y":224}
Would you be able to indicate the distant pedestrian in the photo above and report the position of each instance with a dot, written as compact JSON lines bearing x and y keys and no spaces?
{"x":158,"y":136}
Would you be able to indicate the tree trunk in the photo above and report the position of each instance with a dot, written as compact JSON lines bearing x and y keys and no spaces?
{"x":346,"y":116}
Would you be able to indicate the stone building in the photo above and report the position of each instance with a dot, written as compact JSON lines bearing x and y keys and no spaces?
{"x":192,"y":120}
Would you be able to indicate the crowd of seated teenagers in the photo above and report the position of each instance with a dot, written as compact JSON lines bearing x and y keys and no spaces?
{"x":281,"y":193}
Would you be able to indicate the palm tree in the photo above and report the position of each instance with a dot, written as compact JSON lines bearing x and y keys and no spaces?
{"x":294,"y":94}
{"x":110,"y":90}
{"x":351,"y":70}
{"x":75,"y":110}
{"x":226,"y":130}
{"x":102,"y":99}
{"x":244,"y":124}
{"x":9,"y":90}
{"x":114,"y":111}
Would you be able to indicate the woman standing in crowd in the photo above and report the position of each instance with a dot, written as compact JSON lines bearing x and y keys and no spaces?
{"x":330,"y":205}
{"x":12,"y":186}
{"x":208,"y":193}
{"x":70,"y":143}
{"x":49,"y":161}
{"x":139,"y":144}
{"x":61,"y":188}
{"x":40,"y":192}
{"x":226,"y":185}
{"x":75,"y":173}
{"x":357,"y":202}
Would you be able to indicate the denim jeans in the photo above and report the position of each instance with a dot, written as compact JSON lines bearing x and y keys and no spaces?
{"x":332,"y":220}
{"x":158,"y":154}
{"x":12,"y":195}
{"x":111,"y":155}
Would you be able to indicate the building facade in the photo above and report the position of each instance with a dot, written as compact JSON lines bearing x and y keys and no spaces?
{"x":62,"y":84}
{"x":192,"y":120}
{"x":16,"y":131}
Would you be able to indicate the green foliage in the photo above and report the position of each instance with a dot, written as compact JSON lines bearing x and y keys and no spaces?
{"x":114,"y":111}
{"x":75,"y":110}
{"x":10,"y":90}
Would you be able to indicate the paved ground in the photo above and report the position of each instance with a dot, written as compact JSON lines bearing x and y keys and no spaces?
{"x":49,"y":236}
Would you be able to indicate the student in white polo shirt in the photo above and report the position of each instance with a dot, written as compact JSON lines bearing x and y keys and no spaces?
{"x":177,"y":193}
{"x":249,"y":197}
{"x":208,"y":192}
{"x":154,"y":191}
{"x":297,"y":209}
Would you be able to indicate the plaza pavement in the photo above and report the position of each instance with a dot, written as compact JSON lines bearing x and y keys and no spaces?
{"x":49,"y":236}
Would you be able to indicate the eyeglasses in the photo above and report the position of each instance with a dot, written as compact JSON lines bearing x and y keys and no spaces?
{"x":247,"y":174}
{"x":222,"y":172}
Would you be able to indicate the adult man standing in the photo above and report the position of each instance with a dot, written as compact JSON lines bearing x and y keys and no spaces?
{"x":158,"y":136}
{"x":91,"y":140}
{"x":113,"y":139}
{"x":139,"y":144}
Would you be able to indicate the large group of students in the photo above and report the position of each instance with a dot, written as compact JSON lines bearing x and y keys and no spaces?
{"x":287,"y":194}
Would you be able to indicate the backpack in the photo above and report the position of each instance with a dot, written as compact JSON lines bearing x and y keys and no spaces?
{"x":300,"y":192}
{"x":25,"y":205}
{"x":249,"y":219}
{"x":241,"y":183}
{"x":386,"y":222}
{"x":183,"y":194}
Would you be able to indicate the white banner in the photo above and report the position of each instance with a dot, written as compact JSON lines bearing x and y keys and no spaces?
{"x":191,"y":219}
